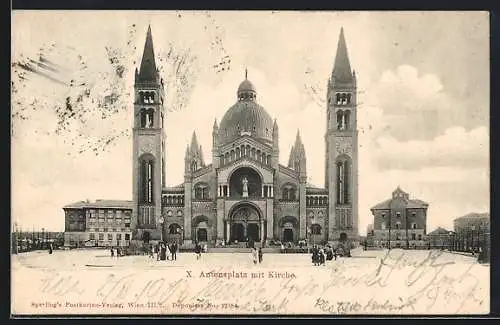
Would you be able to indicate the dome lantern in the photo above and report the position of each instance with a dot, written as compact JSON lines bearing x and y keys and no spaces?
{"x":246,"y":90}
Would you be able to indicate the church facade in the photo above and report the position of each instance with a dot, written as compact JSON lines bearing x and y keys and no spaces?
{"x":244,"y":193}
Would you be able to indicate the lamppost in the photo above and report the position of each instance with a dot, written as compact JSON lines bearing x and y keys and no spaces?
{"x":181,"y":231}
{"x":389,"y":238}
{"x":407,"y":239}
{"x":473,"y":227}
{"x":162,"y":223}
{"x":451,"y":240}
{"x":308,"y":238}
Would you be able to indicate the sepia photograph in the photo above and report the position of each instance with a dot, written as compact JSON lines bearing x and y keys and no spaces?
{"x":250,"y":162}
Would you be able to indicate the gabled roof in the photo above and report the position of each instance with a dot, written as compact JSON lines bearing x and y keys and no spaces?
{"x":119,"y":204}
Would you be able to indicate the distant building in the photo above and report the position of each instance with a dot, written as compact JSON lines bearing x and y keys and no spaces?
{"x":99,"y":223}
{"x":441,"y":238}
{"x":400,"y":221}
{"x":472,"y":230}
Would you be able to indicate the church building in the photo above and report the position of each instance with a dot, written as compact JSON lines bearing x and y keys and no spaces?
{"x":244,"y":193}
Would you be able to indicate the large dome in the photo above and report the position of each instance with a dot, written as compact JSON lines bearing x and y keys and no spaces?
{"x":246,"y":116}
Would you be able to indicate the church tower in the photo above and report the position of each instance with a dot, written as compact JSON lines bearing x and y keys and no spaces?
{"x":341,"y":174}
{"x":148,"y":144}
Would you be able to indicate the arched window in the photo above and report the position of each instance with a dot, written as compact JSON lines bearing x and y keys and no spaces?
{"x":347,"y":120}
{"x":343,"y":183}
{"x":201,"y":191}
{"x":338,"y":98}
{"x":340,"y":120}
{"x":147,"y":118}
{"x":238,"y":153}
{"x":348,"y":98}
{"x":232,"y":155}
{"x":194,"y":166}
{"x":146,"y":179}
{"x":398,"y":225}
{"x":316,"y":229}
{"x":253,"y":153}
{"x":289,"y":192}
{"x":414,"y":226}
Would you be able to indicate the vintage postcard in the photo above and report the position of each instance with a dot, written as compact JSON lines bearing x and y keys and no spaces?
{"x":232,"y":162}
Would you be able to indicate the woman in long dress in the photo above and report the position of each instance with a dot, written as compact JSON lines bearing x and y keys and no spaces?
{"x":255,"y":255}
{"x":168,"y":252}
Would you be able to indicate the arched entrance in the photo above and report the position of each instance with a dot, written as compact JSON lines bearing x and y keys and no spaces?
{"x":288,"y":235}
{"x":202,"y":235}
{"x":202,"y":226}
{"x":245,"y":223}
{"x":238,"y":232}
{"x":343,"y":236}
{"x":289,"y":226}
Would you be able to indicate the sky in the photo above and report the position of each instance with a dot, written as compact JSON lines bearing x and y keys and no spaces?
{"x":423,"y":94}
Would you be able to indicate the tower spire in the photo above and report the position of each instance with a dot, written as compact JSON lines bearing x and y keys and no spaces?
{"x":342,"y":67}
{"x":147,"y":71}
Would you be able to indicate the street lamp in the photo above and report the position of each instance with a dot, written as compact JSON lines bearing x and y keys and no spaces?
{"x":308,"y":237}
{"x":451,"y":241}
{"x":162,"y":223}
{"x":473,"y":227}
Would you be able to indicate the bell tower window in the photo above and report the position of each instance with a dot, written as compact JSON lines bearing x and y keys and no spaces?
{"x":146,"y":181}
{"x":147,"y":118}
{"x":343,"y":184}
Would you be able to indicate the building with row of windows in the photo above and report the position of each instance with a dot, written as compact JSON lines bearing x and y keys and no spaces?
{"x":472,"y":230}
{"x":99,"y":223}
{"x":399,"y":221}
{"x":244,"y":193}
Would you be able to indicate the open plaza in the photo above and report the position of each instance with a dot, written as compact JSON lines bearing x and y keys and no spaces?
{"x":393,"y":282}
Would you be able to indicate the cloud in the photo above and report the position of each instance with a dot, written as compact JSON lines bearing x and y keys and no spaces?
{"x":456,"y":147}
{"x":413,"y":106}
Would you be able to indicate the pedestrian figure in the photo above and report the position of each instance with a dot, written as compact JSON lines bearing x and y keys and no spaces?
{"x":260,"y":255}
{"x":197,"y":251}
{"x":321,"y":257}
{"x":174,"y":251}
{"x":158,"y":252}
{"x":112,"y":252}
{"x":255,"y":255}
{"x":168,"y":251}
{"x":50,"y":248}
{"x":118,"y":252}
{"x":151,"y":251}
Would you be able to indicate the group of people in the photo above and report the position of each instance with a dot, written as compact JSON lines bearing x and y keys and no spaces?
{"x":320,"y":255}
{"x":116,"y":250}
{"x":257,"y":255}
{"x":164,"y":251}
